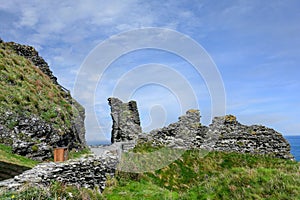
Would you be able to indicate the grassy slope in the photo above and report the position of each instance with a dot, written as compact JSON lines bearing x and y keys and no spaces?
{"x":8,"y":157}
{"x":218,"y":175}
{"x":24,"y":89}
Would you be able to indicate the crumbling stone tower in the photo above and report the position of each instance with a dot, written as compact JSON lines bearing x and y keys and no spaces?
{"x":126,"y":120}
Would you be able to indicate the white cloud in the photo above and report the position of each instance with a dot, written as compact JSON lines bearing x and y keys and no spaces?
{"x":28,"y":18}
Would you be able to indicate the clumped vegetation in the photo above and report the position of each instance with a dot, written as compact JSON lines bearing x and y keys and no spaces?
{"x":55,"y":191}
{"x":218,"y":175}
{"x":26,"y":90}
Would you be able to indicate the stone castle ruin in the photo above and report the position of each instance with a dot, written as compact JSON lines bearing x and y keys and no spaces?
{"x":126,"y":120}
{"x":223,"y":134}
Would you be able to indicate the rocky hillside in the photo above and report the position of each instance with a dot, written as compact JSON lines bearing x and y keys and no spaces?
{"x":36,"y":113}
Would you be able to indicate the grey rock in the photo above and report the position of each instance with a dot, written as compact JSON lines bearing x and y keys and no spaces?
{"x":186,"y":133}
{"x":126,"y":121}
{"x":223,"y":134}
{"x":79,"y":172}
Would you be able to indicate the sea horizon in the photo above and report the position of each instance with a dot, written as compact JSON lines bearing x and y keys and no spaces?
{"x":294,"y":141}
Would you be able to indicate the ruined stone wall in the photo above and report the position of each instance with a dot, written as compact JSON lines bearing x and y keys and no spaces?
{"x":126,"y":120}
{"x":256,"y":139}
{"x":186,"y":133}
{"x":224,"y":134}
{"x":90,"y":172}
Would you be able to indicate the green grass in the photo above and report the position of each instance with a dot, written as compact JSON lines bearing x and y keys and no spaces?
{"x":6,"y":155}
{"x":218,"y":175}
{"x":56,"y":191}
{"x":138,"y":190}
{"x":26,"y":90}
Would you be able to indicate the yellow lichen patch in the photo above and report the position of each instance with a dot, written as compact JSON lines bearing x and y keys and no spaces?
{"x":193,"y":111}
{"x":230,"y":119}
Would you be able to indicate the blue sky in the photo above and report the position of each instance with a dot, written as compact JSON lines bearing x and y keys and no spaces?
{"x":255,"y":46}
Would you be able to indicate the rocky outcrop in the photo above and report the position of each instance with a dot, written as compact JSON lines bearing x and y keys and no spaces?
{"x":126,"y":121}
{"x":35,"y":134}
{"x":78,"y":122}
{"x":31,"y":54}
{"x":256,"y":139}
{"x":34,"y":138}
{"x":90,"y":172}
{"x":186,"y":133}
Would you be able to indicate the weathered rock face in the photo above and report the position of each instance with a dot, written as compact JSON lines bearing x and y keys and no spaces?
{"x":186,"y":133}
{"x":126,"y":120}
{"x":31,"y":54}
{"x":88,"y":172}
{"x":257,"y":139}
{"x":78,"y":127}
{"x":35,"y":138}
{"x":224,"y":134}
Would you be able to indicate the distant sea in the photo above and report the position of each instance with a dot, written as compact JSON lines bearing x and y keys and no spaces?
{"x":295,"y":146}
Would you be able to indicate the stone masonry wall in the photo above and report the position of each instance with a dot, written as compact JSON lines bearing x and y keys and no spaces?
{"x":90,"y":172}
{"x":257,"y":139}
{"x":186,"y":133}
{"x":224,"y":134}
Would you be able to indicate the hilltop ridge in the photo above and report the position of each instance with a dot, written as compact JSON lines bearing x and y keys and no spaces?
{"x":36,"y":112}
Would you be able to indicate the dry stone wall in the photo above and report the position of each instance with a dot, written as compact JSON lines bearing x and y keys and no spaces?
{"x":224,"y":134}
{"x":90,"y":172}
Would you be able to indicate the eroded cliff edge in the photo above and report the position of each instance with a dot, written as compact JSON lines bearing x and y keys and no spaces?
{"x":37,"y":114}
